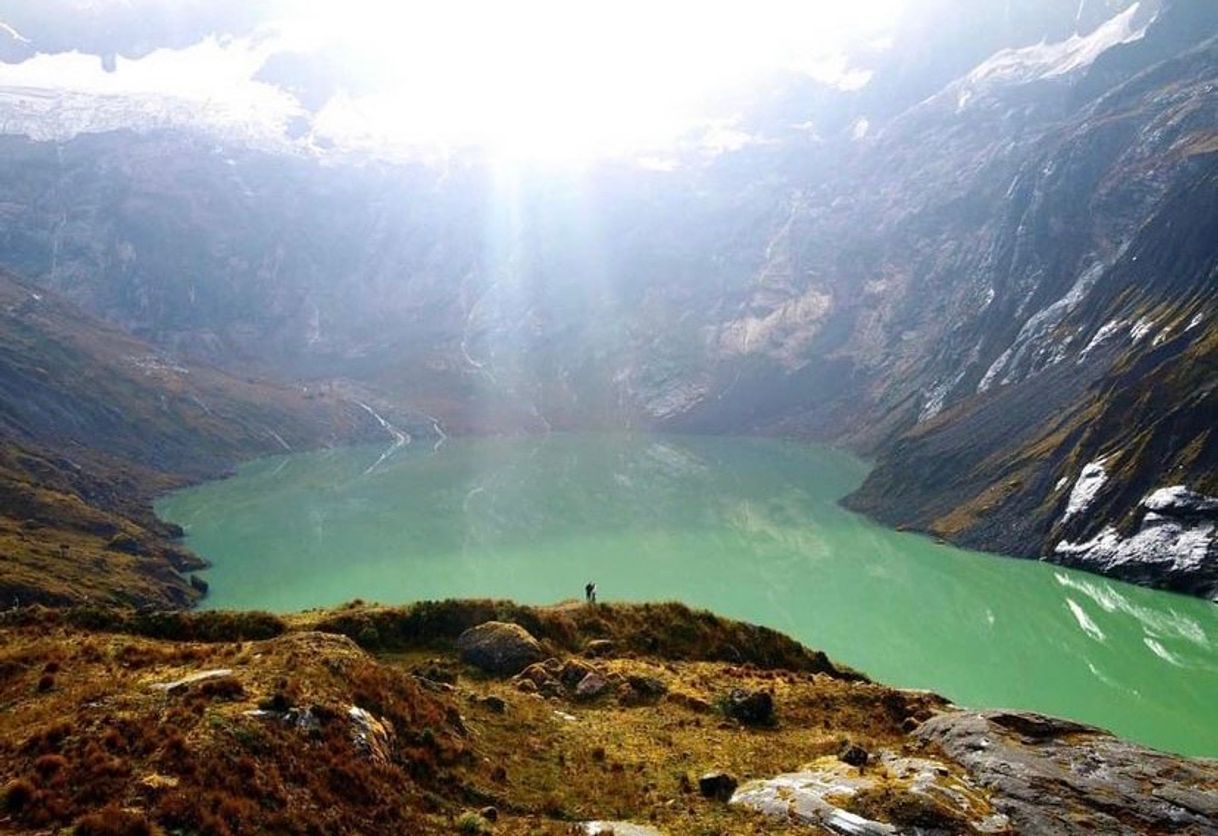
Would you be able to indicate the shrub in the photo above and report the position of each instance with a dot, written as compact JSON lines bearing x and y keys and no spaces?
{"x":48,"y":765}
{"x":473,"y":823}
{"x":111,"y":821}
{"x":18,"y":794}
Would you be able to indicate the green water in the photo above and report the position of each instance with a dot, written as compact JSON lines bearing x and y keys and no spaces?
{"x":748,"y":528}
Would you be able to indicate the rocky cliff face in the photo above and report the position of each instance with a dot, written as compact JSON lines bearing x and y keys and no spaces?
{"x":990,"y":269}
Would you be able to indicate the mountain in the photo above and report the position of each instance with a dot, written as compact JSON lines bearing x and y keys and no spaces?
{"x":990,"y":270}
{"x":93,"y":423}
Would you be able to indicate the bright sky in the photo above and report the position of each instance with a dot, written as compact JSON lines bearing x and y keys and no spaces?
{"x":548,"y":79}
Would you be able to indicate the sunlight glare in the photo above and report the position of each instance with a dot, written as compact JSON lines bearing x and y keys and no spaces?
{"x":549,"y":79}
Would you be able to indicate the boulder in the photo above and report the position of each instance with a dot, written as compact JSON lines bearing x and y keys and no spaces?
{"x":591,"y":686}
{"x":499,"y":648}
{"x":717,"y":785}
{"x":853,"y":755}
{"x":649,"y":686}
{"x":574,"y":671}
{"x":535,"y":673}
{"x":752,"y":708}
{"x":177,"y":686}
{"x":638,"y":690}
{"x":598,"y":647}
{"x":494,"y":704}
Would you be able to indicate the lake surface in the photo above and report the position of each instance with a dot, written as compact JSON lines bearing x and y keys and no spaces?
{"x":748,"y":528}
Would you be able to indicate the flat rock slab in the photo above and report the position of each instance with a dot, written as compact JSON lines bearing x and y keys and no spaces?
{"x":186,"y":681}
{"x":619,"y":828}
{"x":1055,"y":777}
{"x":816,"y":794}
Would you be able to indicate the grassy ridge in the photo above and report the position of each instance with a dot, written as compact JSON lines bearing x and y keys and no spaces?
{"x":89,"y":740}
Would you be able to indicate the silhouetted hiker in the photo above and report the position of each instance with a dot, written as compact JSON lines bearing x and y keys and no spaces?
{"x":590,"y":593}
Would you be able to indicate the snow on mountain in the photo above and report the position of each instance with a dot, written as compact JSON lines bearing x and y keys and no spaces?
{"x":1051,"y":60}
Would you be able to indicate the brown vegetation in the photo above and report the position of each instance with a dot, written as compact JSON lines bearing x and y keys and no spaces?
{"x":267,"y":741}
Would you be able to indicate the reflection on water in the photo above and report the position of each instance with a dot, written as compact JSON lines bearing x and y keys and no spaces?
{"x":749,"y":528}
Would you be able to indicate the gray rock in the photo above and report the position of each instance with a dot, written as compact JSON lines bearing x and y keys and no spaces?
{"x":499,"y":648}
{"x":574,"y":671}
{"x":717,"y":785}
{"x":752,"y":708}
{"x":1057,"y":777}
{"x":372,"y":735}
{"x":853,"y":755}
{"x":179,"y":685}
{"x":619,"y":828}
{"x":492,"y":703}
{"x":599,"y":647}
{"x":939,"y":800}
{"x":650,"y":687}
{"x":591,"y":686}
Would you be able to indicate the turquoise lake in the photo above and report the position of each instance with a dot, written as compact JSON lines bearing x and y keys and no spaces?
{"x":748,"y":528}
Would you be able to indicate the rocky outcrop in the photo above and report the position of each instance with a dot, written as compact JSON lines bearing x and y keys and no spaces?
{"x":1173,"y":545}
{"x":925,"y":795}
{"x":500,"y":648}
{"x":1053,"y":777}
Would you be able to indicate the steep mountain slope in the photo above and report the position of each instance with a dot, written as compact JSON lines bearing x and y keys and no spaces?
{"x":93,"y":423}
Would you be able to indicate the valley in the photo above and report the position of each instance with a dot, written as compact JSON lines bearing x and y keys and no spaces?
{"x":907,"y":349}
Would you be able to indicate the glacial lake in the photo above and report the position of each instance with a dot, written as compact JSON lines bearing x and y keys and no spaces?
{"x":748,"y":528}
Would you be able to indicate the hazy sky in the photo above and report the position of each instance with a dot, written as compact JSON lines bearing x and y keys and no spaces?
{"x":533,"y":78}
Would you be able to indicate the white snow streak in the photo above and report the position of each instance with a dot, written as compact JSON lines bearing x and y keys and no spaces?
{"x":1088,"y":486}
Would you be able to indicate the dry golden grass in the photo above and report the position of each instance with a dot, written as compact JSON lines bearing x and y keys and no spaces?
{"x":86,"y":741}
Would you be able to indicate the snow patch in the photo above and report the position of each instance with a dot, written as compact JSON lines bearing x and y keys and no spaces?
{"x":1038,"y":331}
{"x":987,"y":380}
{"x":1194,"y":322}
{"x":210,"y":86}
{"x":1141,"y":328}
{"x":988,"y":300}
{"x":1177,"y":546}
{"x":1102,"y":336}
{"x":1088,"y":486}
{"x":1178,"y":501}
{"x":1046,"y":61}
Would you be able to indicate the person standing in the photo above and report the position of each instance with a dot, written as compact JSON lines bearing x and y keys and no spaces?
{"x":590,"y":593}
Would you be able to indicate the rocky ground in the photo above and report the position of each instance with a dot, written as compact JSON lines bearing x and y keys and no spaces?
{"x":485,"y":717}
